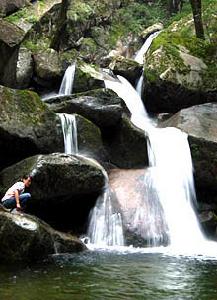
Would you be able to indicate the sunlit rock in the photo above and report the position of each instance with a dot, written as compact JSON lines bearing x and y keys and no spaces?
{"x":64,"y":187}
{"x":25,"y":238}
{"x":200,"y":123}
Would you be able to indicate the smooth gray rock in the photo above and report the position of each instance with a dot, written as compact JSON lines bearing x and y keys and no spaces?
{"x":25,"y":239}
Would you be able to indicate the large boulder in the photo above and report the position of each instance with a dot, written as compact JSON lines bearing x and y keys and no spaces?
{"x":36,"y":19}
{"x":27,"y":126}
{"x":9,"y":6}
{"x":24,"y":68}
{"x":77,"y":18}
{"x":87,"y":77}
{"x":48,"y":68}
{"x":127,"y":68}
{"x":126,"y":145}
{"x":101,"y":106}
{"x":25,"y":239}
{"x":11,"y":37}
{"x":89,"y":139}
{"x":179,"y":69}
{"x":142,"y":215}
{"x":64,"y":187}
{"x":200,"y":123}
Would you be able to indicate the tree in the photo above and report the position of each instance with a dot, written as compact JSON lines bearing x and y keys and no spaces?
{"x":197,"y":15}
{"x":175,"y":6}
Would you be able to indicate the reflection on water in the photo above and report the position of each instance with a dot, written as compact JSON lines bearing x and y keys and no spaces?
{"x":107,"y":275}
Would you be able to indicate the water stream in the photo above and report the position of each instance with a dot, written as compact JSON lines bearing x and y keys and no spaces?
{"x":69,"y":128}
{"x":139,"y":57}
{"x":171,"y":174}
{"x":66,"y":86}
{"x":68,"y":80}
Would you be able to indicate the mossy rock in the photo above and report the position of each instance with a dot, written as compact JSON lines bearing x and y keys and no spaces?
{"x":87,"y":77}
{"x":180,"y":69}
{"x":127,"y":68}
{"x":101,"y":106}
{"x":27,"y":126}
{"x":26,"y":239}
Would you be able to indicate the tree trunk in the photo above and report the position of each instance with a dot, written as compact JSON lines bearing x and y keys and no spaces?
{"x":175,"y":6}
{"x":197,"y":15}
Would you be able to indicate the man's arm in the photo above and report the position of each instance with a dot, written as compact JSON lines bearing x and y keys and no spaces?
{"x":16,"y":194}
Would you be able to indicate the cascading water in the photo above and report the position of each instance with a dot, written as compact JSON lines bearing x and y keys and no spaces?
{"x":171,"y":171}
{"x":67,"y":82}
{"x":66,"y":86}
{"x":140,"y":55}
{"x":69,"y":129}
{"x":140,"y":58}
{"x":105,"y":228}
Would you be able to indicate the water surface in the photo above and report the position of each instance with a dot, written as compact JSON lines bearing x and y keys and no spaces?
{"x":107,"y":275}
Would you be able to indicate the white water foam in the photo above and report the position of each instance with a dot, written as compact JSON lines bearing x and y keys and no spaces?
{"x":69,"y":129}
{"x":105,"y":227}
{"x":68,"y":80}
{"x":171,"y":165}
{"x":140,"y":55}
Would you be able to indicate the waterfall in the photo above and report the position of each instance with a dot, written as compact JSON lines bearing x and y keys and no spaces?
{"x":140,"y":58}
{"x":140,"y":55}
{"x":69,"y":129}
{"x":170,"y":169}
{"x":67,"y":82}
{"x":139,"y":85}
{"x":105,"y":228}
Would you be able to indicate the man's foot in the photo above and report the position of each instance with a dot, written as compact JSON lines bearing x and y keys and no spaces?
{"x":16,"y":211}
{"x":2,"y":208}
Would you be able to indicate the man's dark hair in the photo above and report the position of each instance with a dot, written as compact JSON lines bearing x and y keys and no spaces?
{"x":26,"y":176}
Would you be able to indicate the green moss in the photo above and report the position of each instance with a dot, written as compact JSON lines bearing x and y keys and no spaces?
{"x":180,"y":35}
{"x":25,"y":107}
{"x":80,"y":11}
{"x":37,"y":45}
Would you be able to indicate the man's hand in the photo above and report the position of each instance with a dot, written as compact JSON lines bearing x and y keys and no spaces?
{"x":19,"y":209}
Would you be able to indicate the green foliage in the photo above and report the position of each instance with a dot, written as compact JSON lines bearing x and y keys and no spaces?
{"x":135,"y":17}
{"x":80,"y":11}
{"x":20,"y":14}
{"x":36,"y":45}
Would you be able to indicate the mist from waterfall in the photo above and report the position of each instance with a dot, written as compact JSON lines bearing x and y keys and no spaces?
{"x":68,"y":80}
{"x":170,"y":170}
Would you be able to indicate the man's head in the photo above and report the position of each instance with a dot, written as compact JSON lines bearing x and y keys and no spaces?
{"x":27,"y":180}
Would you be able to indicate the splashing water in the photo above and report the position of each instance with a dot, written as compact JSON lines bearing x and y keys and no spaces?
{"x":69,"y":129}
{"x":68,"y":80}
{"x":105,"y":227}
{"x":171,"y":175}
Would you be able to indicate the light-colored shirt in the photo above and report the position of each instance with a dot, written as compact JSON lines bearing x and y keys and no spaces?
{"x":20,"y":186}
